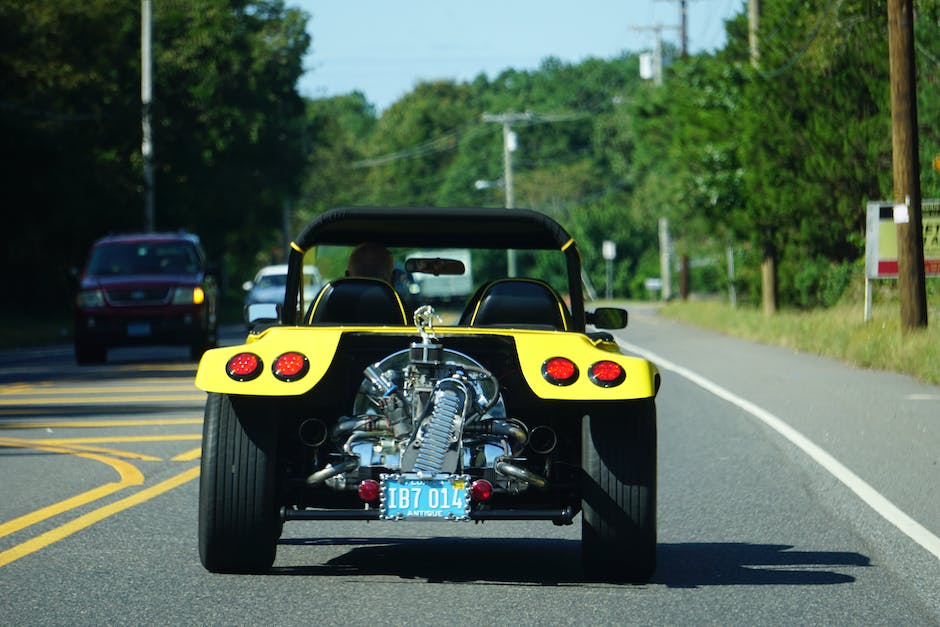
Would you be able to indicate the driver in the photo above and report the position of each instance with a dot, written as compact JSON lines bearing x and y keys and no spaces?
{"x":370,"y":260}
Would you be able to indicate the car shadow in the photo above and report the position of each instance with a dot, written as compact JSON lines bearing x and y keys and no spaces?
{"x":551,"y":562}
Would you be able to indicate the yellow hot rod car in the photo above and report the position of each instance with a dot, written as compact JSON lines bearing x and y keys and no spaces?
{"x":518,"y":405}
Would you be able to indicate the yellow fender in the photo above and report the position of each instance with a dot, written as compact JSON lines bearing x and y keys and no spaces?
{"x":534,"y":348}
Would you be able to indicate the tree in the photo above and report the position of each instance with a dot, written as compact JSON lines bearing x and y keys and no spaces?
{"x":414,"y":143}
{"x":229,"y":122}
{"x":226,"y":122}
{"x":69,"y":122}
{"x":814,"y":134}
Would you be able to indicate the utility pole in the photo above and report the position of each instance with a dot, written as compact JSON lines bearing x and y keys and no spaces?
{"x":509,"y":146}
{"x":146,"y":100}
{"x":683,"y":27}
{"x":906,"y":166}
{"x":657,"y":49}
{"x":753,"y":26}
{"x":768,"y":266}
{"x":665,"y":260}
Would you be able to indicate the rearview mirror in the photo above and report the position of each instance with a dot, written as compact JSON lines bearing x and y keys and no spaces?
{"x":436,"y":266}
{"x":608,"y":318}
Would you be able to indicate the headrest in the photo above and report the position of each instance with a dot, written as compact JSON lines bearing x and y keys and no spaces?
{"x":357,"y":300}
{"x":526,"y":302}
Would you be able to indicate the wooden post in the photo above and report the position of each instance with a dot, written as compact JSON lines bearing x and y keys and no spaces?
{"x":906,"y":166}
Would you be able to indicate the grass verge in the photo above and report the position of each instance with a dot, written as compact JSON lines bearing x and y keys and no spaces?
{"x":839,"y":332}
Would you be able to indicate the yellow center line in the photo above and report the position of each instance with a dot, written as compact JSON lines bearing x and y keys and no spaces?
{"x":129,"y":476}
{"x":188,"y":455}
{"x":107,"y":451}
{"x":32,"y":390}
{"x":86,"y":520}
{"x":84,"y":424}
{"x":158,"y":368}
{"x":126,"y":438}
{"x":101,"y":400}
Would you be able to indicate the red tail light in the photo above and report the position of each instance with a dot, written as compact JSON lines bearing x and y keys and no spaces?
{"x":244,"y":366}
{"x":481,"y":490}
{"x":560,"y":371}
{"x":607,"y":374}
{"x":290,"y":366}
{"x":369,"y":490}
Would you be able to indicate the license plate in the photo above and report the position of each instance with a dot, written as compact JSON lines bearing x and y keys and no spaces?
{"x":138,"y":329}
{"x":406,"y":497}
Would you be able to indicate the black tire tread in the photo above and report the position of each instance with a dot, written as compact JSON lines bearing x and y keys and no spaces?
{"x":238,"y":519}
{"x":618,"y":524}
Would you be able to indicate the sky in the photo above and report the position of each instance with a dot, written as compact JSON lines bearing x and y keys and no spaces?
{"x":383,"y":48}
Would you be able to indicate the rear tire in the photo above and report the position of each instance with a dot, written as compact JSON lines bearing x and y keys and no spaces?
{"x":618,"y":520}
{"x":239,"y":522}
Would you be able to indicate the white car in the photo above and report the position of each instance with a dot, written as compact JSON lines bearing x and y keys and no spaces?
{"x":270,"y":281}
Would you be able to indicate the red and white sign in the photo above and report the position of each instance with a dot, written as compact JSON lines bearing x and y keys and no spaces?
{"x":881,"y":239}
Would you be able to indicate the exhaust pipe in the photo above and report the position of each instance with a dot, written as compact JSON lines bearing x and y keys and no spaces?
{"x":543,"y":440}
{"x":503,"y":467}
{"x":514,"y":430}
{"x":312,"y":432}
{"x":347,"y":465}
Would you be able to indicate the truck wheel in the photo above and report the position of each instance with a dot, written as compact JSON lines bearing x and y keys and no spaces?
{"x":90,"y":353}
{"x":618,"y":494}
{"x":239,"y":522}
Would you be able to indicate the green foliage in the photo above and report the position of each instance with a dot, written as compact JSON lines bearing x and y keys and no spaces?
{"x":335,"y":134}
{"x":927,"y":51}
{"x":226,"y":125}
{"x":414,"y":142}
{"x":817,"y":282}
{"x":815,"y":129}
{"x":779,"y":158}
{"x":69,"y":124}
{"x":839,"y":332}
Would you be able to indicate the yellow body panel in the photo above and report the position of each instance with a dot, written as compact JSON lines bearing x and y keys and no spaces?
{"x":319,"y":344}
{"x":535,"y":347}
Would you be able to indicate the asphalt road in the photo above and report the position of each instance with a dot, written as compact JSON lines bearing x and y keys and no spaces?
{"x":788,"y":489}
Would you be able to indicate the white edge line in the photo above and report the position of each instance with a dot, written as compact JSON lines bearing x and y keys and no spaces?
{"x":885,"y":508}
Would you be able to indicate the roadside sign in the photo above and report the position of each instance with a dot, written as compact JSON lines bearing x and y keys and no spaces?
{"x":881,"y":239}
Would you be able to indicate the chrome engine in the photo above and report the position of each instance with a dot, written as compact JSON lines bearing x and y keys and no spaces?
{"x":428,"y":410}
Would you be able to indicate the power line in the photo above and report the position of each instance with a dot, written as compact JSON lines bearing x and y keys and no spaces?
{"x":448,"y":141}
{"x":506,"y":120}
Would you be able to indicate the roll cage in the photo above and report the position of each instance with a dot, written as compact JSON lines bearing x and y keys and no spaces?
{"x":520,"y":229}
